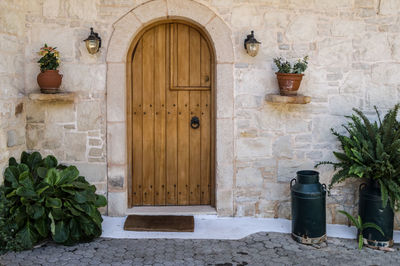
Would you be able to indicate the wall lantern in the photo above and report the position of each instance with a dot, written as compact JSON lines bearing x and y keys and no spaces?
{"x":93,"y":42}
{"x":251,"y":44}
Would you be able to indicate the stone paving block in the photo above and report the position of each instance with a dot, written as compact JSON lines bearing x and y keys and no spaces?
{"x":257,"y":249}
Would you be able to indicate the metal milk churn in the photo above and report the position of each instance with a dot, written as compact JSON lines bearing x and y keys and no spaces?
{"x":371,"y":210}
{"x":308,"y":208}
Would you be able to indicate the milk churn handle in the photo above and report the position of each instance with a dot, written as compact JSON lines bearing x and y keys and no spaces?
{"x":291,"y":182}
{"x":361,"y":186}
{"x":325,"y":189}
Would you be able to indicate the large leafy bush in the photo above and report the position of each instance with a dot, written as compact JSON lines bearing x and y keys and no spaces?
{"x":8,"y":228}
{"x":371,"y":150}
{"x":49,"y":200}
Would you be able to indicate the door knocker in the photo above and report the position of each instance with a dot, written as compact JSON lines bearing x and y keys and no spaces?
{"x":195,"y":122}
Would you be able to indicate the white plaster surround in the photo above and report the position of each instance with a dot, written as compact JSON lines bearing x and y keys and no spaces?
{"x":124,"y":31}
{"x":213,"y":227}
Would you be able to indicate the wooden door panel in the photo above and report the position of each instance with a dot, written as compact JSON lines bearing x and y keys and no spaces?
{"x":183,"y":48}
{"x":190,"y":63}
{"x":148,"y":117}
{"x":137,"y":123}
{"x":159,"y":120}
{"x":171,"y":131}
{"x":171,"y":83}
{"x":205,"y":67}
{"x":195,"y":148}
{"x":173,"y":66}
{"x":194,"y":58}
{"x":172,"y":152}
{"x":183,"y":147}
{"x":205,"y":163}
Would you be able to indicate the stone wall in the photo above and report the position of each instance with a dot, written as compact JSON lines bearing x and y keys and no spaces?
{"x":12,"y":109}
{"x":354,"y":50}
{"x":73,"y":132}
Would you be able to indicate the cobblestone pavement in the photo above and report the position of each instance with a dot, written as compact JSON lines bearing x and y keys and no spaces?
{"x":257,"y":249}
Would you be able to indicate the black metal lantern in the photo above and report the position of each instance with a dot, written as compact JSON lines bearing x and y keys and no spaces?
{"x":93,"y":42}
{"x":251,"y":44}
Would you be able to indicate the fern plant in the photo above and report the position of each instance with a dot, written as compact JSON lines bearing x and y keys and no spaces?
{"x":370,"y":150}
{"x":360,"y":227}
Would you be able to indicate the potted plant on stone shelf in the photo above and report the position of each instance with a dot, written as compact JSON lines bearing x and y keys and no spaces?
{"x":49,"y":79}
{"x":371,"y":151}
{"x":290,"y":76}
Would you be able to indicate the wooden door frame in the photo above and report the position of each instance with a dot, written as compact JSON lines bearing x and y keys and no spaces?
{"x":206,"y":36}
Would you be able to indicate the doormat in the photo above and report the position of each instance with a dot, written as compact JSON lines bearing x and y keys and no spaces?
{"x":160,"y":223}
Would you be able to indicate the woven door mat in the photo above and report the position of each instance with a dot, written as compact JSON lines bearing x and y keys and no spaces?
{"x":160,"y":223}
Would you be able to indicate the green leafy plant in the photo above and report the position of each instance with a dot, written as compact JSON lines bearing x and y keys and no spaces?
{"x":370,"y":150}
{"x":50,"y":58}
{"x":50,"y":200}
{"x":284,"y":66}
{"x":9,"y":241}
{"x":360,"y":227}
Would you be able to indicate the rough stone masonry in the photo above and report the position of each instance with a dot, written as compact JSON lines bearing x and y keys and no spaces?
{"x":354,"y":50}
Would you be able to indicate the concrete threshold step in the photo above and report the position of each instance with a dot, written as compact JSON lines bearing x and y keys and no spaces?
{"x":172,"y":210}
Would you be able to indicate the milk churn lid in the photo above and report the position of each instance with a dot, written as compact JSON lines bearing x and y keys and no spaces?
{"x":307,"y":177}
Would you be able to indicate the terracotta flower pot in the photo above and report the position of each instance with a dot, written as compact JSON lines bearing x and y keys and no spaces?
{"x":49,"y":81}
{"x":289,"y":83}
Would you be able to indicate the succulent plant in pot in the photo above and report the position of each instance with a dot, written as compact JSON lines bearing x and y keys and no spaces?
{"x":49,"y":79}
{"x":371,"y":151}
{"x":290,"y":76}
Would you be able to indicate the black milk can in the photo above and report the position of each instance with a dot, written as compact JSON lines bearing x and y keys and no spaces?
{"x":370,"y":209}
{"x":308,"y":208}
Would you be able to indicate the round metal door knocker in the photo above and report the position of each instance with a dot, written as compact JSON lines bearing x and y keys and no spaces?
{"x":195,"y":122}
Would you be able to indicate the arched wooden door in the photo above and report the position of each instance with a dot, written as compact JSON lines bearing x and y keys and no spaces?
{"x":172,"y":119}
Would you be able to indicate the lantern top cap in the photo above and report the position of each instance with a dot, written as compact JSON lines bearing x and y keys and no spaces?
{"x":250,"y":39}
{"x":93,"y":36}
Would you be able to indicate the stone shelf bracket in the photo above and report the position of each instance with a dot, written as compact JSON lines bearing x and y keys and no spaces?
{"x":62,"y":97}
{"x":295,"y":99}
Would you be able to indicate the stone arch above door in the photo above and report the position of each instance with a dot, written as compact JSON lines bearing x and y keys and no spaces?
{"x":124,"y":31}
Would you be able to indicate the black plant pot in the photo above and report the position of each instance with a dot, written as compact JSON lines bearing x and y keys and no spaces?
{"x":370,"y":209}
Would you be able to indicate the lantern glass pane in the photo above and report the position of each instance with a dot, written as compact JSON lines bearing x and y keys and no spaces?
{"x":92,"y":46}
{"x":252,"y":48}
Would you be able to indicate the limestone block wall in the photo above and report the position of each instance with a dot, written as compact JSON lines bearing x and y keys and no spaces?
{"x":73,"y":132}
{"x":354,"y":50}
{"x":12,"y":109}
